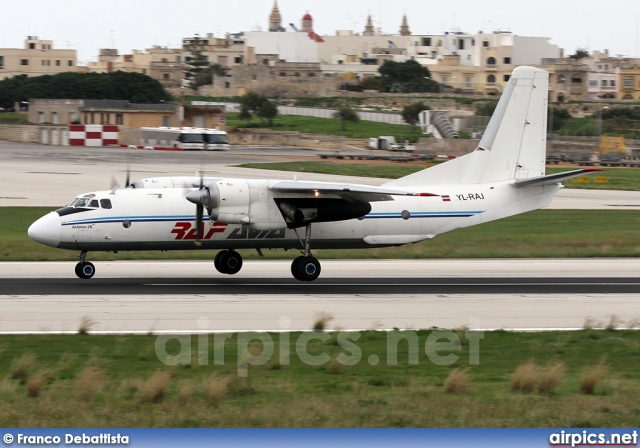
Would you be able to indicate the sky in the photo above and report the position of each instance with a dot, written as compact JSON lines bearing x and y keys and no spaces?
{"x":88,"y":25}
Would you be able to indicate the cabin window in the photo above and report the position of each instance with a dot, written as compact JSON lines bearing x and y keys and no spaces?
{"x":105,"y":203}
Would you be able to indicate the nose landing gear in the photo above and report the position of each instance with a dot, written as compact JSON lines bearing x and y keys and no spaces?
{"x":84,"y":269}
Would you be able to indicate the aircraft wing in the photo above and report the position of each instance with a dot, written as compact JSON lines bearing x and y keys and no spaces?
{"x":351,"y":192}
{"x":554,"y":178}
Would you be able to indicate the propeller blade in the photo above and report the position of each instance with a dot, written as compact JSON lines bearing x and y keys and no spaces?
{"x":199,"y":212}
{"x":128,"y":179}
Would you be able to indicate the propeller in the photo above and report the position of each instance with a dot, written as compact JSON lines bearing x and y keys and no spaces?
{"x":205,"y":196}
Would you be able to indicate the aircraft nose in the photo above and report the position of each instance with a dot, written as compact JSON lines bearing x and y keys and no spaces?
{"x":47,"y":230}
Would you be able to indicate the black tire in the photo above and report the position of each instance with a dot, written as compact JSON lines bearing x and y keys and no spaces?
{"x":85,"y":270}
{"x":217,"y":263}
{"x":230,"y":262}
{"x":306,"y":269}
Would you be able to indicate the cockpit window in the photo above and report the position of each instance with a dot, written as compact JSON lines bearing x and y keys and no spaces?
{"x":94,"y":204}
{"x":105,"y":203}
{"x":80,"y":202}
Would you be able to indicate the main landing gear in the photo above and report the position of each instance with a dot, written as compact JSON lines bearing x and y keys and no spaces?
{"x":84,"y":269}
{"x":228,"y":262}
{"x":306,"y":268}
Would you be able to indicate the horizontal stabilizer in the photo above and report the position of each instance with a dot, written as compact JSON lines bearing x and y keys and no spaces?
{"x":556,"y":178}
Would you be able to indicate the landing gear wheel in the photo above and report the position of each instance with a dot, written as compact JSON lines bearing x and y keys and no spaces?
{"x":228,"y":262}
{"x":305,"y":269}
{"x":85,"y":270}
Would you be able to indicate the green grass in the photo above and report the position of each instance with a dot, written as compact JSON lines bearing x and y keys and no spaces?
{"x":541,"y":233}
{"x":14,"y":117}
{"x":331,"y":126}
{"x":106,"y":381}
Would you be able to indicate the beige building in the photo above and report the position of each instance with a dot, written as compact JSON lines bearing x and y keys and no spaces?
{"x":629,"y":79}
{"x":122,"y":113}
{"x":38,"y":57}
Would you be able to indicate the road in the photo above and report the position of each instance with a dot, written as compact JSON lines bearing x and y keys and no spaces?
{"x":190,"y":296}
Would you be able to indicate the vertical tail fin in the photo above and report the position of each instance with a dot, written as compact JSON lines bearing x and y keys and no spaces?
{"x":513,"y":145}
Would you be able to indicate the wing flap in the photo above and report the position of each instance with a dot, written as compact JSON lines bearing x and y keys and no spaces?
{"x":357,"y":192}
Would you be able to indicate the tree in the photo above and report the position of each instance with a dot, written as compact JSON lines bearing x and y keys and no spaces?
{"x":345,"y":113}
{"x":580,"y":54}
{"x":486,"y":108}
{"x":268,"y":110}
{"x":408,"y":76}
{"x":253,"y":103}
{"x":133,"y":87}
{"x":197,"y":60}
{"x":411,"y":113}
{"x":206,"y":75}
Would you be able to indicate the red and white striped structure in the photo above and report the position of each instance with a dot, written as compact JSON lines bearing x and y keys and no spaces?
{"x":93,"y":134}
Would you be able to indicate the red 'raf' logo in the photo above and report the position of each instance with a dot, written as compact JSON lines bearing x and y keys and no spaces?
{"x":187,"y":230}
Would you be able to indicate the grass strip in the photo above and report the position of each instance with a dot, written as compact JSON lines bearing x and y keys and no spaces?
{"x":587,"y":378}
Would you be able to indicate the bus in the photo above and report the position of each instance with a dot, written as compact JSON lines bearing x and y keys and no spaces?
{"x":215,"y":140}
{"x":183,"y":138}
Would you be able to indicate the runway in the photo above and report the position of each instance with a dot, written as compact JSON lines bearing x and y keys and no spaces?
{"x":384,"y":294}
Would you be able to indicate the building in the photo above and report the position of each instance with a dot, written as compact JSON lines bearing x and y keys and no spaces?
{"x":629,"y":79}
{"x":122,"y":113}
{"x":38,"y":57}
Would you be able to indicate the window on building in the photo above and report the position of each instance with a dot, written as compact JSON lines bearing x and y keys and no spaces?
{"x":491,"y":61}
{"x":265,"y":61}
{"x":485,"y":43}
{"x":606,"y":66}
{"x":506,"y":78}
{"x":561,"y":79}
{"x":32,"y":46}
{"x":445,"y":79}
{"x":507,"y":60}
{"x":282,"y":74}
{"x":426,"y":41}
{"x":166,"y":76}
{"x":57,"y":62}
{"x":40,"y":117}
{"x":70,"y":63}
{"x":54,"y":117}
{"x":460,"y":44}
{"x":42,"y":62}
{"x":593,"y":83}
{"x":467,"y":81}
{"x":604,"y":83}
{"x":254,"y":77}
{"x":576,"y":79}
{"x":612,"y":83}
{"x":164,"y":60}
{"x":238,"y":59}
{"x":311,"y":74}
{"x":491,"y":79}
{"x":24,"y":61}
{"x":1,"y":61}
{"x":165,"y":120}
{"x":628,"y":81}
{"x":227,"y":85}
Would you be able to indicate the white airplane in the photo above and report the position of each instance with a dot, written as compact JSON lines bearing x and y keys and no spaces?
{"x":504,"y":176}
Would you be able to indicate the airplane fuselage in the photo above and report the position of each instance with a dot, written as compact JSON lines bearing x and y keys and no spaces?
{"x":162,"y":219}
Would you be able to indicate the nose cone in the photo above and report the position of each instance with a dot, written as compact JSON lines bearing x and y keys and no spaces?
{"x":47,"y":230}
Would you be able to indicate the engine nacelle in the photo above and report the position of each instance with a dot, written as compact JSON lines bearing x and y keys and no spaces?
{"x":228,"y":201}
